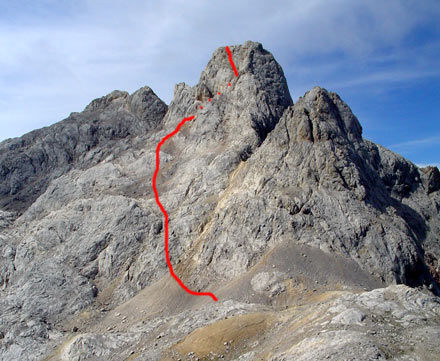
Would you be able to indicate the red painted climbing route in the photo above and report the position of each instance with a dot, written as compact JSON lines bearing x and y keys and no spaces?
{"x":162,"y":208}
{"x":231,"y":61}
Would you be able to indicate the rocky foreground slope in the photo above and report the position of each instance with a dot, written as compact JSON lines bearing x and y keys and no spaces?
{"x":319,"y":244}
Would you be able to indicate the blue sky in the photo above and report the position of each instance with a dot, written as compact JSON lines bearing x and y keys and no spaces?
{"x":381,"y":57}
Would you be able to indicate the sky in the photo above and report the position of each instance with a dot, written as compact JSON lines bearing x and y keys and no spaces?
{"x":381,"y":57}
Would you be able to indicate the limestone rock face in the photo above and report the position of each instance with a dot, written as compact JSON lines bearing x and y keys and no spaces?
{"x":299,"y":225}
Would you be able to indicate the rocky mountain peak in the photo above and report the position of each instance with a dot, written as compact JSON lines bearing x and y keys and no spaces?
{"x":256,"y":67}
{"x":237,"y":111}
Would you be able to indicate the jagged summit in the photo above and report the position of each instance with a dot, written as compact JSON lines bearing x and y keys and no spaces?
{"x":300,"y":226}
{"x":258,"y":70}
{"x":256,"y":99}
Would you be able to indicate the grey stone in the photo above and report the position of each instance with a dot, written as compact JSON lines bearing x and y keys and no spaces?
{"x":349,"y":317}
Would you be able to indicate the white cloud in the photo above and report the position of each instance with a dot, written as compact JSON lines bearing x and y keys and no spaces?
{"x":393,"y":76}
{"x":57,"y":61}
{"x":428,"y":141}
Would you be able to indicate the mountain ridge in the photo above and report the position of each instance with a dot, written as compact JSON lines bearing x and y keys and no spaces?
{"x":66,"y":142}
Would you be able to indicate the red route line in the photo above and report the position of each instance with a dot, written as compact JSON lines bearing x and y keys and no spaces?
{"x":167,"y":252}
{"x":156,"y":194}
{"x":231,"y":61}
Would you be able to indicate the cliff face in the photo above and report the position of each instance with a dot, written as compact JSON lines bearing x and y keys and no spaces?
{"x":283,"y":210}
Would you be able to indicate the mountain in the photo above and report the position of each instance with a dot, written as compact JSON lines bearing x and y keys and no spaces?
{"x":318,"y":243}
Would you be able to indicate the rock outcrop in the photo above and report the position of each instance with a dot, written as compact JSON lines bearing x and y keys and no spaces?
{"x":300,"y":226}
